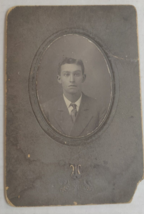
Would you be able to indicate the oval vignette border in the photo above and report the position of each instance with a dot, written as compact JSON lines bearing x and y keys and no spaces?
{"x":53,"y":133}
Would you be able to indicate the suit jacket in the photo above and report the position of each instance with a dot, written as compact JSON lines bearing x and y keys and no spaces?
{"x":89,"y":116}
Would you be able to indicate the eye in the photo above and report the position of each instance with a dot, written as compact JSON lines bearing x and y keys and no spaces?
{"x":77,"y":74}
{"x":66,"y":74}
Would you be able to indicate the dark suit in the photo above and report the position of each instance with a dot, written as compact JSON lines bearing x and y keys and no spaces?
{"x":88,"y":118}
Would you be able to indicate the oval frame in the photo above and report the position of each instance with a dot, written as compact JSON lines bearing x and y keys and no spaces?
{"x":51,"y":131}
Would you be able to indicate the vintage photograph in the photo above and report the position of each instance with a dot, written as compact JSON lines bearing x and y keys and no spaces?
{"x":73,"y":129}
{"x":74,"y":85}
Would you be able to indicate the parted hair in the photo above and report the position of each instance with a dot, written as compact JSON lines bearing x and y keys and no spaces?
{"x":71,"y":61}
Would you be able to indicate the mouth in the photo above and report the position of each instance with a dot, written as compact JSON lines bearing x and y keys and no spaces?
{"x":72,"y":86}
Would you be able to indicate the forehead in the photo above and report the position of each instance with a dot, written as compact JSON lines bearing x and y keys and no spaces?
{"x":70,"y":67}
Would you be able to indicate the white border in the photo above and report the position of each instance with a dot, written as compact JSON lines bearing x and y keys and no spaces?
{"x":137,"y":204}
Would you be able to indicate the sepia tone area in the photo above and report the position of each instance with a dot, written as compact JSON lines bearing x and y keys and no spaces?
{"x":40,"y":171}
{"x":89,"y":84}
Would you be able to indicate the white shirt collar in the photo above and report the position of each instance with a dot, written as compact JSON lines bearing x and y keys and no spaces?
{"x":67,"y":102}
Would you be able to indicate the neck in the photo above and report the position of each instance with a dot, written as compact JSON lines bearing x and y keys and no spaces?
{"x":72,"y":97}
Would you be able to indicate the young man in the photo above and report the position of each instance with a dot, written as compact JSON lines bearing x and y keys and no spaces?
{"x":73,"y":113}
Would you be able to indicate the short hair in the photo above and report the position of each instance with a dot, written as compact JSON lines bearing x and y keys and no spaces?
{"x":71,"y":61}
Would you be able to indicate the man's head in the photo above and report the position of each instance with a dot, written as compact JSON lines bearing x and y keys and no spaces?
{"x":71,"y":75}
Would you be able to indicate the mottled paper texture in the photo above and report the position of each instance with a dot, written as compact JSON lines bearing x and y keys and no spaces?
{"x":43,"y":166}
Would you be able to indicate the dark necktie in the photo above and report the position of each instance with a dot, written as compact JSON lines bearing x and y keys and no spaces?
{"x":73,"y":112}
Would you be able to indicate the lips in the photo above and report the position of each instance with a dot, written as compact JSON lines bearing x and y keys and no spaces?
{"x":72,"y":86}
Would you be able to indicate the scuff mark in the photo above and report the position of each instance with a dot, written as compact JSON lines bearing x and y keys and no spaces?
{"x":126,"y":59}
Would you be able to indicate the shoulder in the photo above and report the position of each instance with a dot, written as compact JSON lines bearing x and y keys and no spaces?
{"x":89,"y":100}
{"x":94,"y":105}
{"x":52,"y":103}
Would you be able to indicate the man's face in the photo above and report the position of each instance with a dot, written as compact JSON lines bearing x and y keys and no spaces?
{"x":71,"y":78}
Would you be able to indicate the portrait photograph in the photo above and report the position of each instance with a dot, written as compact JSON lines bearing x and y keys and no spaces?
{"x":74,"y":85}
{"x":73,"y":128}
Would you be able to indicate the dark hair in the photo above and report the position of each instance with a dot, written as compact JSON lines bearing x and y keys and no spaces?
{"x":71,"y":61}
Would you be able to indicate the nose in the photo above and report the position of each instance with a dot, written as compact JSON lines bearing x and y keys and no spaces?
{"x":72,"y":78}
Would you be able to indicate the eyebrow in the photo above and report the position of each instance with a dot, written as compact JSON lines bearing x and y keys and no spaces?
{"x":73,"y":71}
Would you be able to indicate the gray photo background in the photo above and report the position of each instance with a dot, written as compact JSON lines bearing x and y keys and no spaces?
{"x":98,"y":81}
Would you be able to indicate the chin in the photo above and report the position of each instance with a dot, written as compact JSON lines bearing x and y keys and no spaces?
{"x":73,"y":92}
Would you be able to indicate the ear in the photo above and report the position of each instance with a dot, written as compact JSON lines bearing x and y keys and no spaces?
{"x":84,"y":77}
{"x":59,"y":79}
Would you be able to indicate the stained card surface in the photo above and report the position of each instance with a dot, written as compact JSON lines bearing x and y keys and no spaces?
{"x":73,"y":131}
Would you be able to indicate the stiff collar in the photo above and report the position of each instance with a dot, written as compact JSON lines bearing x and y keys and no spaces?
{"x":67,"y":102}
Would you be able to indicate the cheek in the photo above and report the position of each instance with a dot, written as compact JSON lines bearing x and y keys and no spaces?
{"x":64,"y":82}
{"x":79,"y":81}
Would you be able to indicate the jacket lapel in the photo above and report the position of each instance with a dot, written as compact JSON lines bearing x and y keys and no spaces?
{"x":62,"y":117}
{"x":83,"y":118}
